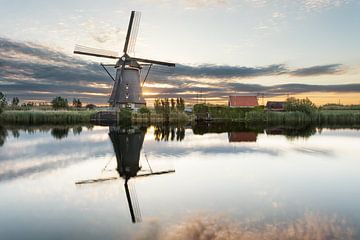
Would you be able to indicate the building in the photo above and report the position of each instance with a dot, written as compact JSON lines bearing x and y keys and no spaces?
{"x":275,"y":106}
{"x":243,"y":101}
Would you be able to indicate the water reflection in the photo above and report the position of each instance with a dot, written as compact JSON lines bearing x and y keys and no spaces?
{"x":272,"y":189}
{"x":166,"y":133}
{"x":237,"y":132}
{"x":127,"y":144}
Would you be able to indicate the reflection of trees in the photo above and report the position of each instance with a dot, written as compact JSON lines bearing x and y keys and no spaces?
{"x":224,"y":127}
{"x":77,"y":130}
{"x":166,"y":133}
{"x":3,"y":135}
{"x":15,"y":133}
{"x":57,"y":131}
{"x":60,"y":133}
{"x":291,"y":132}
{"x":303,"y":131}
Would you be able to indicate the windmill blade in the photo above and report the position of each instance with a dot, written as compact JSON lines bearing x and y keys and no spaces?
{"x":95,"y":52}
{"x":132,"y":32}
{"x":169,"y":64}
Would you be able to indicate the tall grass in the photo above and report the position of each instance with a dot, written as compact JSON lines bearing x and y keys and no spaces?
{"x":174,"y":117}
{"x":45,"y":117}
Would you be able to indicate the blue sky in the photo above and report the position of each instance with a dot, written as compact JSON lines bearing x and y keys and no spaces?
{"x":248,"y":33}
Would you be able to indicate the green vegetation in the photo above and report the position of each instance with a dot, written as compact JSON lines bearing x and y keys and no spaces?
{"x":297,"y":111}
{"x":300,"y":105}
{"x":60,"y":103}
{"x":165,"y":110}
{"x":3,"y":102}
{"x":77,"y":103}
{"x":45,"y":117}
{"x":334,"y":106}
{"x":15,"y":102}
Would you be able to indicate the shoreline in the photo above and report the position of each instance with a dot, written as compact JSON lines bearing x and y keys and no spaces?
{"x":254,"y":117}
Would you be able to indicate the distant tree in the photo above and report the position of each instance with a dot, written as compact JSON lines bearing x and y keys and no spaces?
{"x":181,"y":105}
{"x":300,"y":105}
{"x":157,"y":106}
{"x":15,"y":101}
{"x":173,"y":104}
{"x":90,"y":106}
{"x":3,"y":102}
{"x":77,"y":103}
{"x":59,"y":103}
{"x":178,"y":104}
{"x":166,"y":108}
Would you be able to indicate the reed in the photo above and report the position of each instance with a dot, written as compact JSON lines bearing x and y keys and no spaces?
{"x":173,"y":117}
{"x":45,"y":117}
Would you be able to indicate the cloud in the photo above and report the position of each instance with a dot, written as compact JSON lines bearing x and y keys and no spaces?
{"x":216,"y":71}
{"x":318,"y":70}
{"x":35,"y":72}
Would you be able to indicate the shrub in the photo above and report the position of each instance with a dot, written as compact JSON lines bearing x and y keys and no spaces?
{"x":300,"y":105}
{"x":59,"y":103}
{"x":144,"y":110}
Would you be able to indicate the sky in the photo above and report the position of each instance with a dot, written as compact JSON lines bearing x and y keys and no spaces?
{"x":275,"y":49}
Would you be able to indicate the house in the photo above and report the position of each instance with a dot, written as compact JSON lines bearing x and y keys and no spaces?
{"x":275,"y":106}
{"x":243,"y":101}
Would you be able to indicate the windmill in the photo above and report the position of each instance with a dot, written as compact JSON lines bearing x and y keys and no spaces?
{"x":126,"y":92}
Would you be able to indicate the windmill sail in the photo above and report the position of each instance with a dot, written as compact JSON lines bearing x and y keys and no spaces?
{"x":132,"y":32}
{"x":95,"y":52}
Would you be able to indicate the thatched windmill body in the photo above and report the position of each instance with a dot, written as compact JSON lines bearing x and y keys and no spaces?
{"x":127,"y":89}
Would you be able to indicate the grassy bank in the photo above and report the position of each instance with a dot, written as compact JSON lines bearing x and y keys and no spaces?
{"x":45,"y":117}
{"x":259,"y":115}
{"x":153,"y":118}
{"x":319,"y":117}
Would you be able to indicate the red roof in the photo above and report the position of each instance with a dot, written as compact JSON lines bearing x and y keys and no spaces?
{"x":243,"y":101}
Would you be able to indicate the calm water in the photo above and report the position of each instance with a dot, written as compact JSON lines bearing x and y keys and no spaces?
{"x":229,"y":183}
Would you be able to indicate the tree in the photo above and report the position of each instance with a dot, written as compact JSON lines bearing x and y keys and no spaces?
{"x":3,"y":102}
{"x":300,"y":105}
{"x":77,"y":103}
{"x":157,"y":106}
{"x":15,"y":101}
{"x":181,"y":105}
{"x":173,"y":104}
{"x":59,"y":103}
{"x":90,"y":106}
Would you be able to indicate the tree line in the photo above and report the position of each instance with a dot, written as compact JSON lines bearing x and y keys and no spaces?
{"x":56,"y":103}
{"x":166,"y":105}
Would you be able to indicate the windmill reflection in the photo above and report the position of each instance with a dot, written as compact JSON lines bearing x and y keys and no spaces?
{"x":127,"y":144}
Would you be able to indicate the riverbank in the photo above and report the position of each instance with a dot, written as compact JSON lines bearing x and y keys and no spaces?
{"x":218,"y":115}
{"x":45,"y":117}
{"x":260,"y":115}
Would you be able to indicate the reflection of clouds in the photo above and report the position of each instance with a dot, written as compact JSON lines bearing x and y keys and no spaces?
{"x":39,"y":152}
{"x":204,"y":144}
{"x":313,"y":151}
{"x":309,"y":226}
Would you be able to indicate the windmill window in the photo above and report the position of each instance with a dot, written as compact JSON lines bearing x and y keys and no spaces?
{"x":127,"y":86}
{"x":126,"y":95}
